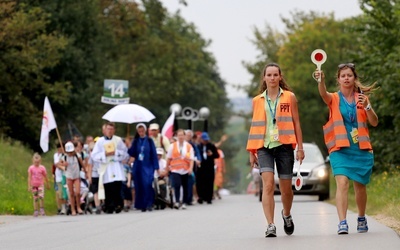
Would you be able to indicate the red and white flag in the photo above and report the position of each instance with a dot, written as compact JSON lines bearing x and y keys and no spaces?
{"x":168,"y":128}
{"x":48,"y":124}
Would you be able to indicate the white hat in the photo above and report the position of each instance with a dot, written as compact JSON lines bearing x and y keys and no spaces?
{"x":69,"y":147}
{"x":160,"y":151}
{"x":154,"y":126}
{"x":141,"y":125}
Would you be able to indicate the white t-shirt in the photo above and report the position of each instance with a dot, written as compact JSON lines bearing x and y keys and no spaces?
{"x":163,"y":165}
{"x":58,"y":172}
{"x":95,"y":167}
{"x":72,"y":171}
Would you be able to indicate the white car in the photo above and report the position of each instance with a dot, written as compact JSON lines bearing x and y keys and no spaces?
{"x":315,"y":174}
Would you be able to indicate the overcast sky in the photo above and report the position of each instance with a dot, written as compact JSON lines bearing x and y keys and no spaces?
{"x":229,"y":24}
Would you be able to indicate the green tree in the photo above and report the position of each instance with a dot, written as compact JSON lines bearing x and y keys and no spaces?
{"x":163,"y":57}
{"x":26,"y":52}
{"x":378,"y":56}
{"x":268,"y":42}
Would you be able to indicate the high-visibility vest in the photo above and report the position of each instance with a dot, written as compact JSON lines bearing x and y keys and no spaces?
{"x":218,"y":161}
{"x":284,"y":121}
{"x":335,"y":133}
{"x":178,"y":161}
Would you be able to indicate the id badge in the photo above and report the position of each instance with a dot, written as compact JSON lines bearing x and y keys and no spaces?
{"x":274,"y":134}
{"x":354,"y":135}
{"x":141,"y":157}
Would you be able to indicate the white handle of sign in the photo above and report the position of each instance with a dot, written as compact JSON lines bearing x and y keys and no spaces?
{"x":318,"y":57}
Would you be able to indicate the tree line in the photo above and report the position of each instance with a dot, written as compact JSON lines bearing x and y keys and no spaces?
{"x":370,"y":40}
{"x":65,"y":50}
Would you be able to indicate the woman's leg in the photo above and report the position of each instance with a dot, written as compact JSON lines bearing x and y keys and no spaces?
{"x":185,"y":187}
{"x":285,"y":186}
{"x":268,"y":201}
{"x":70,"y":185}
{"x":176,"y":184}
{"x":77,"y":194}
{"x":342,"y":189}
{"x":361,"y":197}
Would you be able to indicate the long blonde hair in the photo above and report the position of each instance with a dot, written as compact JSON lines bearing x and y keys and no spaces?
{"x":282,"y":82}
{"x":358,"y":86}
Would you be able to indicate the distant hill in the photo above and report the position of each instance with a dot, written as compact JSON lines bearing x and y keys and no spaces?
{"x":241,"y":104}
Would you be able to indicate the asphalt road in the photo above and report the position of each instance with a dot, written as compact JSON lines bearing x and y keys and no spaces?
{"x":235,"y":222}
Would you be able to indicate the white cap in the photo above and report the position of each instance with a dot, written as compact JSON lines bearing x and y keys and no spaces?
{"x":160,"y":151}
{"x":141,"y":125}
{"x":69,"y":147}
{"x":154,"y":126}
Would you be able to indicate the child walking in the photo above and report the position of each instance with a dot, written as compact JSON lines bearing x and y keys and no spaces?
{"x":37,"y":175}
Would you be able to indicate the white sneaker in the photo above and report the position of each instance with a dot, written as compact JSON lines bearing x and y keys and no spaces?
{"x":183,"y":206}
{"x":176,"y":205}
{"x":63,"y":212}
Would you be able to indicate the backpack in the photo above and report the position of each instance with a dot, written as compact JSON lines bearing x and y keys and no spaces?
{"x":64,"y":157}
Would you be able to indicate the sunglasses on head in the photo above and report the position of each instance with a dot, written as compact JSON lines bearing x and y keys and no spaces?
{"x":350,"y":65}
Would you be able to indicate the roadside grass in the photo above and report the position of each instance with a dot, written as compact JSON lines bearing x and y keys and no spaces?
{"x":15,"y":199}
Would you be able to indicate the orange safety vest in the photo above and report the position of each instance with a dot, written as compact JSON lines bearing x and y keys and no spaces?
{"x":218,"y":161}
{"x":335,"y":133}
{"x":177,"y":161}
{"x":284,"y":121}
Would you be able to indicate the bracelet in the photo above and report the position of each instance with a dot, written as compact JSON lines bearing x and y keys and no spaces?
{"x":300,"y":150}
{"x":368,"y":107}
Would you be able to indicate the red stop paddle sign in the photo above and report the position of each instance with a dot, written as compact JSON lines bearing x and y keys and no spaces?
{"x":298,"y":180}
{"x":318,"y":57}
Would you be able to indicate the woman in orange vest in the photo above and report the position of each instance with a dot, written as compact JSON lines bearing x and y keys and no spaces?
{"x":219,"y":173}
{"x":274,"y":133}
{"x":180,"y":159}
{"x":347,"y":139}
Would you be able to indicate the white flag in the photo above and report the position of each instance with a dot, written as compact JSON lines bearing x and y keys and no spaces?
{"x":168,"y":128}
{"x":48,"y":124}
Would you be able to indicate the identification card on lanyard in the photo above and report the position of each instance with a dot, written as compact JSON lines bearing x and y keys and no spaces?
{"x":354,"y":135}
{"x":141,"y":155}
{"x":274,"y":134}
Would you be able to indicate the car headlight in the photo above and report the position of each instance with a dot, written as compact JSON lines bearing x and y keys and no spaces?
{"x":320,"y":172}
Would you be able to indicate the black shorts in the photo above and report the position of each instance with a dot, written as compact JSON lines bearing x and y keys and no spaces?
{"x":94,"y":187}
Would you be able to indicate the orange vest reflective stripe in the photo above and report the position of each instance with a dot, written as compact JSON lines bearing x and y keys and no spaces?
{"x":178,"y":162}
{"x":284,"y":121}
{"x":335,"y":133}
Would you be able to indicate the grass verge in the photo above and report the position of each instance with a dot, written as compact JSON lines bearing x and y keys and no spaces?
{"x":15,"y":160}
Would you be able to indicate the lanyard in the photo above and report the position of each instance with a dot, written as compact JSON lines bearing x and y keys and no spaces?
{"x":276,"y":102}
{"x":352,"y":111}
{"x":141,"y":143}
{"x":180,"y":148}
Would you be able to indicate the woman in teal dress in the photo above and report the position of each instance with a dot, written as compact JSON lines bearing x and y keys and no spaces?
{"x":348,"y":142}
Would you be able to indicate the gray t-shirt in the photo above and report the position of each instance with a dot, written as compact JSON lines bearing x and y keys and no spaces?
{"x":72,"y":171}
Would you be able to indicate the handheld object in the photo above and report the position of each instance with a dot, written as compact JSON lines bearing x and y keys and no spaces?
{"x":318,"y":57}
{"x":298,"y":180}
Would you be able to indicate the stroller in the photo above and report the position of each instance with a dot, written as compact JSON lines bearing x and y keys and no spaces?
{"x":161,"y":188}
{"x":87,"y":197}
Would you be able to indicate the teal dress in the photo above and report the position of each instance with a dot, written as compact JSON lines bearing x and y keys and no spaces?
{"x":351,"y":161}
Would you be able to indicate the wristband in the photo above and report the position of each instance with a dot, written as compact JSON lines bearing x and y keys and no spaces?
{"x":368,"y":107}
